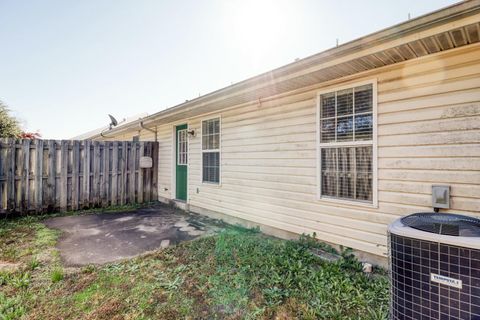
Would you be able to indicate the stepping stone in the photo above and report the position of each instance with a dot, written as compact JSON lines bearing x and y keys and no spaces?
{"x":196,"y":232}
{"x":326,"y":256}
{"x":181,"y":224}
{"x":187,"y":229}
{"x":197,"y":224}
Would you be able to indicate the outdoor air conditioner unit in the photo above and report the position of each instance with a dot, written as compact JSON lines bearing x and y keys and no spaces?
{"x":435,"y":267}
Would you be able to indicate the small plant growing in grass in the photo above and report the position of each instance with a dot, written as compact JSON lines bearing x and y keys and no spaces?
{"x":20,"y":281}
{"x":33,"y":264}
{"x":57,"y":275}
{"x":4,"y":278}
{"x":89,"y":269}
{"x":349,"y":260}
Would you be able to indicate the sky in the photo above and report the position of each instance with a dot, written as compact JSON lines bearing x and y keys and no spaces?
{"x":65,"y":64}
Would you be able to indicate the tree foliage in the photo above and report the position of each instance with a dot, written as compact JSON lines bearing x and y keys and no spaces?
{"x":9,"y":125}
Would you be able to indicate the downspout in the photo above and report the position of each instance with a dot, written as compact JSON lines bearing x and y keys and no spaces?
{"x":148,"y":129}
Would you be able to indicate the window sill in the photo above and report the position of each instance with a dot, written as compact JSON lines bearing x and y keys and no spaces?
{"x":211,"y":184}
{"x":347,"y":202}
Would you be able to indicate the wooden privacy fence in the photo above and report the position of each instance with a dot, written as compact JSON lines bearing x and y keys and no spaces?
{"x":53,"y":175}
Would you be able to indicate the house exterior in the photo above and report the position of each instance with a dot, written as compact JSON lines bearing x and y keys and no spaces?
{"x":338,"y":144}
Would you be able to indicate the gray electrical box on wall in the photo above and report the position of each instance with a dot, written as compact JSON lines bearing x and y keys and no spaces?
{"x":441,"y":197}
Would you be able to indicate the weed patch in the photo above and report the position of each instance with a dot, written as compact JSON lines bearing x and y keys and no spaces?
{"x":57,"y":275}
{"x":10,"y":308}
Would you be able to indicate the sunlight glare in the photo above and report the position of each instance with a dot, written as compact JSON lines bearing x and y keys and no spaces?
{"x":257,"y":27}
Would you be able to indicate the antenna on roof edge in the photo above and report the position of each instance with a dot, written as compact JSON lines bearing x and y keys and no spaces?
{"x":113,"y":122}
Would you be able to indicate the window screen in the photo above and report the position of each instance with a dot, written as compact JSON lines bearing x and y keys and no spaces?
{"x":346,"y":143}
{"x":346,"y":172}
{"x":211,"y":150}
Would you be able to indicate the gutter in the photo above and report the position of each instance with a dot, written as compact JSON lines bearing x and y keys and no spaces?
{"x":103,"y":135}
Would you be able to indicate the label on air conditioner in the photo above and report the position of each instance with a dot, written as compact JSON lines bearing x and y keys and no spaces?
{"x":451,"y":282}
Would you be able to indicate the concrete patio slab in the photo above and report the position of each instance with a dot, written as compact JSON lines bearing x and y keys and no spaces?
{"x":106,"y":237}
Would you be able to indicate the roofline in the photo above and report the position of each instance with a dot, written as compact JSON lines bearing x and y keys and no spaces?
{"x":100,"y":130}
{"x":422,"y":22}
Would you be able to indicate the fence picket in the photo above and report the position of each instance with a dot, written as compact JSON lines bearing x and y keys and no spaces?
{"x":86,"y":173}
{"x":51,"y":173}
{"x":63,"y":175}
{"x":39,"y":176}
{"x":104,"y":195}
{"x":132,"y":165}
{"x":26,"y":175}
{"x":141,"y":152}
{"x":75,"y":174}
{"x":10,"y":165}
{"x":123,"y":174}
{"x":114,"y":194}
{"x":96,"y":172}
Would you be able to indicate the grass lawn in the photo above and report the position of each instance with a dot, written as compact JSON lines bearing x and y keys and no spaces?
{"x":237,"y":274}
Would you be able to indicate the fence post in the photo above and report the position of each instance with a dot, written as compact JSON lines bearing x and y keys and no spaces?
{"x":75,"y":174}
{"x":11,"y":174}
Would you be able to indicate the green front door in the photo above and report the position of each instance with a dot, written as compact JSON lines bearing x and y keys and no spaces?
{"x":181,"y":159}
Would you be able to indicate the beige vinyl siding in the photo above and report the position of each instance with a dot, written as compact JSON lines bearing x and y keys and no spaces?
{"x":428,"y":133}
{"x":165,"y":152}
{"x":269,"y":156}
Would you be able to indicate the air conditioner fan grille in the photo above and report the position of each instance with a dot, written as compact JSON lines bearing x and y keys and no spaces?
{"x":444,"y":224}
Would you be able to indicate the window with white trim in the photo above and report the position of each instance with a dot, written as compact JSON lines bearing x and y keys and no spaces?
{"x":346,"y":121}
{"x":211,"y":150}
{"x":182,"y":147}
